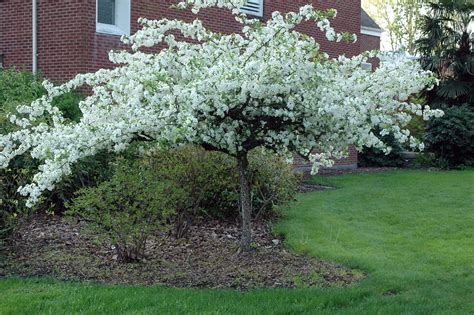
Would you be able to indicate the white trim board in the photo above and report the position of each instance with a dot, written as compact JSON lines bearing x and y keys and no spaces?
{"x":371,"y":31}
{"x":122,"y":19}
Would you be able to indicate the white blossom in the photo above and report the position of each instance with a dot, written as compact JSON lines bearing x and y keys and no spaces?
{"x":267,"y":86}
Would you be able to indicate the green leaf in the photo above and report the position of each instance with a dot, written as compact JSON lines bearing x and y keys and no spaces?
{"x":453,"y":89}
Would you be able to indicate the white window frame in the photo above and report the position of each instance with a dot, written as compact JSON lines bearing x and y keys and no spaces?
{"x":377,"y":32}
{"x":122,"y":19}
{"x":259,"y":13}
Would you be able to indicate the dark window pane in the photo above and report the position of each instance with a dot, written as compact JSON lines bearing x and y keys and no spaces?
{"x":106,"y":11}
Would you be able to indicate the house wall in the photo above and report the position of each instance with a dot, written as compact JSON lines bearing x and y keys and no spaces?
{"x":62,"y":50}
{"x":68,"y":43}
{"x":222,"y":21}
{"x":347,"y":163}
{"x":15,"y":32}
{"x":369,"y":42}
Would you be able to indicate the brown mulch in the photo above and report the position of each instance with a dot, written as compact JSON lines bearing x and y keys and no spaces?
{"x":52,"y":246}
{"x":334,"y":172}
{"x":309,"y":187}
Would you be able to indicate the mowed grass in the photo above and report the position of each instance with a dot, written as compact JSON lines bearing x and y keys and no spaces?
{"x":411,"y":231}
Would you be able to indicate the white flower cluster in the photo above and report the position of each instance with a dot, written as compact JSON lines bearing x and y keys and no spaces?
{"x":197,"y":5}
{"x":268,"y":86}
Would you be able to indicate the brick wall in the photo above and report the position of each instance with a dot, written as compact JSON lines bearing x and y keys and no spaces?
{"x":62,"y":49}
{"x":369,"y":42}
{"x":68,"y":43}
{"x":15,"y":32}
{"x":347,"y":163}
{"x":221,"y":20}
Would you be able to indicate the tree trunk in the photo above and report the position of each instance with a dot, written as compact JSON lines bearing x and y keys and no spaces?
{"x":245,"y":203}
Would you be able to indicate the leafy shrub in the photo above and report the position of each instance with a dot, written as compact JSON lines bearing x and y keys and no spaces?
{"x":127,"y":208}
{"x":371,"y":157}
{"x":12,"y":205}
{"x":68,"y":104}
{"x":210,"y":184}
{"x":417,"y":127}
{"x":424,"y":160}
{"x":274,"y":182}
{"x":207,"y":180}
{"x":87,"y":172}
{"x":19,"y":86}
{"x":22,"y":87}
{"x":451,"y":137}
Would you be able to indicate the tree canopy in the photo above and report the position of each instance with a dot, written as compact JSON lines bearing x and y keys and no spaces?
{"x":268,"y":86}
{"x":446,"y":47}
{"x":400,"y":19}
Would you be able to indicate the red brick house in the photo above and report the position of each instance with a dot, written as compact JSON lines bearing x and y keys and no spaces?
{"x":66,"y":37}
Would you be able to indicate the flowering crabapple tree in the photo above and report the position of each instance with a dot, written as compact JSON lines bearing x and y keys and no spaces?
{"x":268,"y":86}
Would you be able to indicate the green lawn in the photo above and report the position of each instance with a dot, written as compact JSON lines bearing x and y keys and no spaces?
{"x":412,"y":231}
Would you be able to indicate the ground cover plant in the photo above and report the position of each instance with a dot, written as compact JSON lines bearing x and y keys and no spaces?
{"x":411,"y":231}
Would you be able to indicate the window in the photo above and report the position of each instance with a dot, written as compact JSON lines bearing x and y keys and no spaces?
{"x":106,"y":12}
{"x":366,"y":66}
{"x":253,"y":7}
{"x":113,"y":17}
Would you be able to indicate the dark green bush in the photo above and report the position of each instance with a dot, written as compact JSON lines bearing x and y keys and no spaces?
{"x":22,"y":87}
{"x":451,"y":137}
{"x":68,"y":104}
{"x":424,"y":160}
{"x":12,"y":204}
{"x":417,"y":127}
{"x":19,"y":86}
{"x":371,"y":157}
{"x":178,"y":185}
{"x":87,"y":172}
{"x":127,"y":208}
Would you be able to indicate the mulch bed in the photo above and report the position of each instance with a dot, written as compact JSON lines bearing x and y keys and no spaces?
{"x":307,"y":186}
{"x":52,"y":246}
{"x":334,"y":172}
